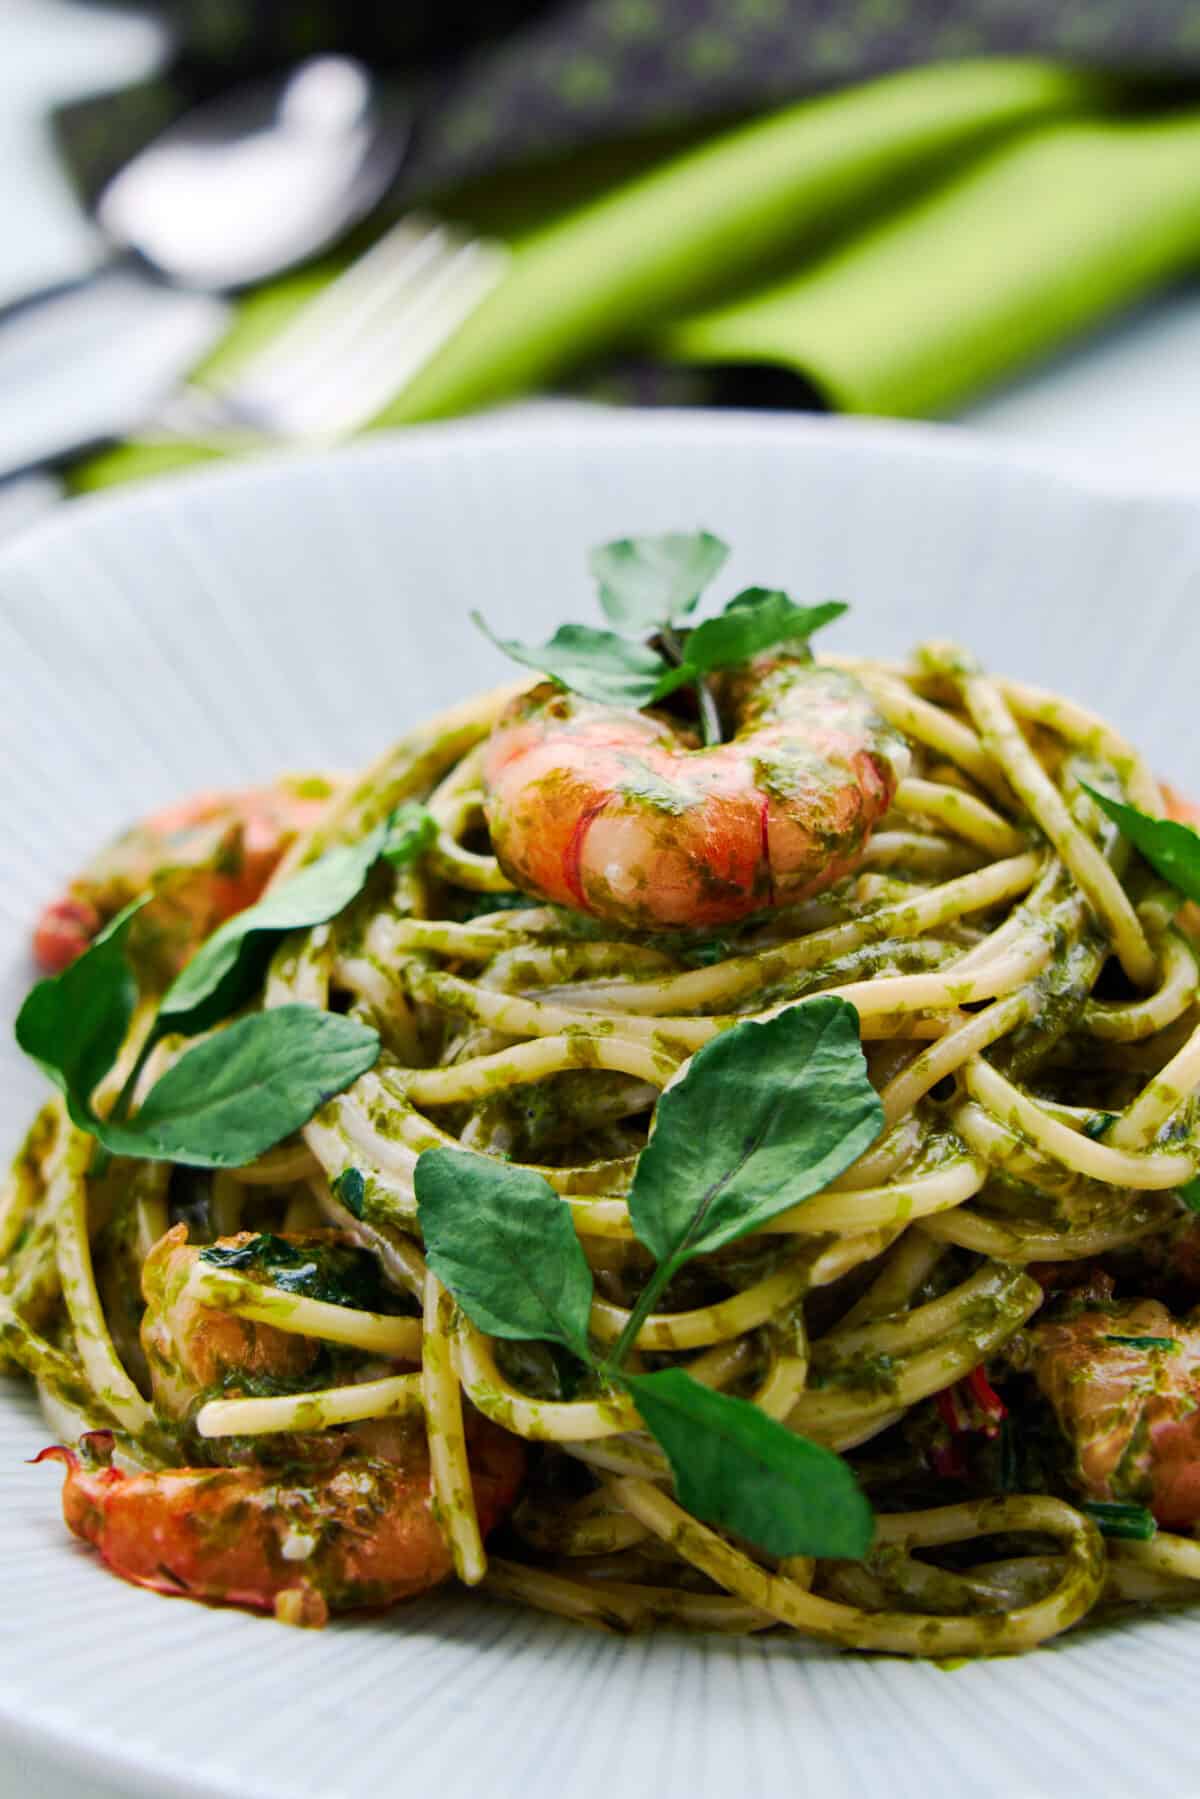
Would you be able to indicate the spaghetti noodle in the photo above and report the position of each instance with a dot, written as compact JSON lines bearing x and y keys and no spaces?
{"x":1028,"y":1009}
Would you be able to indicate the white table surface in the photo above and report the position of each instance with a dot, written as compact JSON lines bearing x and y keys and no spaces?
{"x":1125,"y":405}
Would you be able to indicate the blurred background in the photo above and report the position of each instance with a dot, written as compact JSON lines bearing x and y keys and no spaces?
{"x":227,"y":225}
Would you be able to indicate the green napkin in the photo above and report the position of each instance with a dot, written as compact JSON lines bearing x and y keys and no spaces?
{"x":1010,"y":257}
{"x":716,"y":216}
{"x":902,"y":243}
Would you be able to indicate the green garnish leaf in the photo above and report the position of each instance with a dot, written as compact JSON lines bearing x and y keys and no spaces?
{"x":501,"y":1241}
{"x":767,"y":1115}
{"x":652,"y":583}
{"x":759,"y":619}
{"x":1189,"y":1193}
{"x":1133,"y":1522}
{"x":1099,"y":1122}
{"x":244,"y":1089}
{"x":1171,"y":849}
{"x":598,"y":664}
{"x":646,"y":582}
{"x":795,"y":1109}
{"x":743,"y":1472}
{"x":410,"y":833}
{"x":223,"y":975}
{"x":74,"y":1023}
{"x":1168,"y":1343}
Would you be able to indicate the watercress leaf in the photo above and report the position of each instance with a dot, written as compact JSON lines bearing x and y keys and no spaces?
{"x":1171,"y":849}
{"x":244,"y":1089}
{"x":742,"y":1472}
{"x":759,"y":619}
{"x":649,"y":581}
{"x":73,"y":1024}
{"x":223,"y":975}
{"x":410,"y":832}
{"x":501,"y":1241}
{"x":766,"y":1115}
{"x":598,"y":664}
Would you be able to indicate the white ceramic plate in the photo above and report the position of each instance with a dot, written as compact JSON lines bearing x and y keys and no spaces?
{"x":302,"y":611}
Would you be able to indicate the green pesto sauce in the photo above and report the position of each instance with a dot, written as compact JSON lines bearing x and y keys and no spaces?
{"x":336,"y":1273}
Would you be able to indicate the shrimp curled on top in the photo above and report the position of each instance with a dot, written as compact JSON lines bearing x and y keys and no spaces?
{"x":619,"y":813}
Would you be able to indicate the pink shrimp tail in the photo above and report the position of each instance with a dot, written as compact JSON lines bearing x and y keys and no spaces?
{"x":64,"y":931}
{"x":56,"y":1452}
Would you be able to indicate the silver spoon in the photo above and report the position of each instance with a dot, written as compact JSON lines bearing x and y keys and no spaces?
{"x":238,"y":190}
{"x":258,"y":180}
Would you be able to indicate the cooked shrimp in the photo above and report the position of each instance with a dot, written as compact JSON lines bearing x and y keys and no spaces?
{"x":205,"y":858}
{"x":345,"y":1517}
{"x":1185,"y":812}
{"x":618,"y":813}
{"x":364,"y":1534}
{"x":192,"y":1348}
{"x":1131,"y":1409}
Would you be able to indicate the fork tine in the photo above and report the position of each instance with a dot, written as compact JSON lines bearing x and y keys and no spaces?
{"x":313,"y":389}
{"x":386,"y":357}
{"x":358,"y":343}
{"x":245,"y":400}
{"x":351,"y":298}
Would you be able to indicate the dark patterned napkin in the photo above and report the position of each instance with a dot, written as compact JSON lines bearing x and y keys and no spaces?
{"x":504,"y":82}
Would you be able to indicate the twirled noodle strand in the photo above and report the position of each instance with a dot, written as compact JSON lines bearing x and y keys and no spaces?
{"x":1029,"y":1117}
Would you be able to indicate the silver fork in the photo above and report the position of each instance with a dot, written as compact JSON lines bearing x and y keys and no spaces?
{"x":340,"y":359}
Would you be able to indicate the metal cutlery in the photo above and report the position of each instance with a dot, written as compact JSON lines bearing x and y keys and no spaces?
{"x":350,"y":350}
{"x":260,"y":179}
{"x":241,"y":189}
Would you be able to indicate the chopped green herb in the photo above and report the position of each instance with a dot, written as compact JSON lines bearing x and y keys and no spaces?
{"x":411,"y":830}
{"x":466,"y":905}
{"x":351,"y":1189}
{"x":1189,"y":1193}
{"x":1099,"y":1123}
{"x":333,"y":1272}
{"x":704,"y":955}
{"x":1132,"y":1522}
{"x":1169,"y":1344}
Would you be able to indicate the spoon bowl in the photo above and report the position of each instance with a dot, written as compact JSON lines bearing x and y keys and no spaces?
{"x":259,"y":180}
